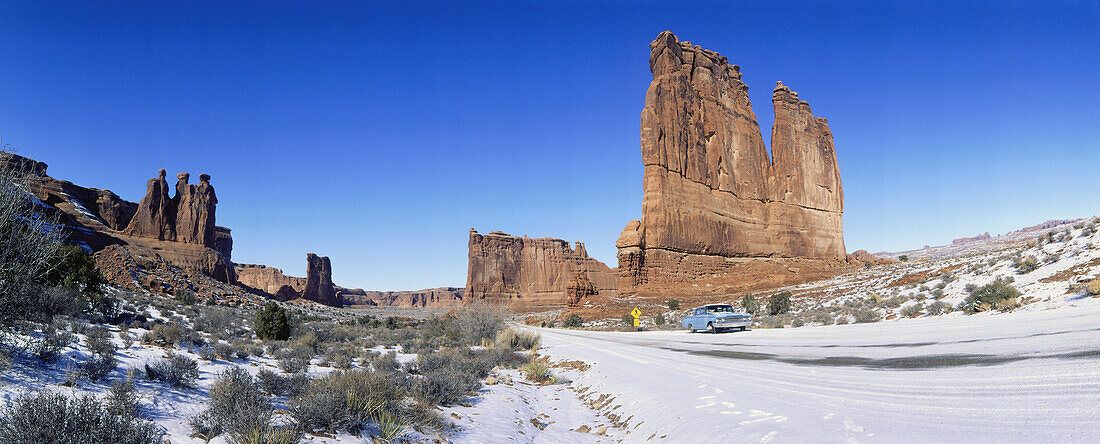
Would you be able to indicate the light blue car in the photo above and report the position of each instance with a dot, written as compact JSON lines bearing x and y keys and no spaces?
{"x":716,"y":317}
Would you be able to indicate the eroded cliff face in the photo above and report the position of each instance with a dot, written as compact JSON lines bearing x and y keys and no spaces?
{"x":530,"y":273}
{"x":141,"y":237}
{"x":268,"y":279}
{"x":712,"y":193}
{"x":443,"y":297}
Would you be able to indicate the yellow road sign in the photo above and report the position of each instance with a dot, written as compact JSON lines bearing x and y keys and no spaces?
{"x":636,"y":312}
{"x":636,"y":321}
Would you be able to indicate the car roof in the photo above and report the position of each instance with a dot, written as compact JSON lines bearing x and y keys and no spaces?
{"x":714,"y":305}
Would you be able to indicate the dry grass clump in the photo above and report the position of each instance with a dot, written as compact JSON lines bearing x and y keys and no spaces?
{"x":518,"y":340}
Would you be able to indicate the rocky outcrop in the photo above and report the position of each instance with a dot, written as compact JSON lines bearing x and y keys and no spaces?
{"x":285,"y":293}
{"x":99,"y":220}
{"x":529,"y":273}
{"x":963,"y":240}
{"x":580,"y":288}
{"x":154,"y":219}
{"x":712,"y":193}
{"x":268,"y":280}
{"x":188,"y":217}
{"x":319,"y":286}
{"x":443,"y":297}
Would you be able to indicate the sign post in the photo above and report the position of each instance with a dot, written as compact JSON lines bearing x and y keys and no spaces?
{"x":636,"y":312}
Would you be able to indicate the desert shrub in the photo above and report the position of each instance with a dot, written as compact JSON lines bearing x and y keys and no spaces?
{"x":225,"y":350}
{"x":275,"y":384}
{"x":797,"y":322}
{"x":55,"y":337}
{"x":866,"y":316}
{"x":823,"y":318}
{"x":346,"y":400}
{"x":102,"y":361}
{"x":659,"y":319}
{"x":126,"y":338}
{"x":1089,"y":229}
{"x":937,"y":308}
{"x":477,"y":322}
{"x":842,"y":320}
{"x":122,"y":399}
{"x":996,"y":295}
{"x":673,"y":304}
{"x":292,"y":363}
{"x":176,"y":370}
{"x":271,"y":323}
{"x":573,"y":321}
{"x":536,"y":372}
{"x":890,"y":302}
{"x":779,"y":303}
{"x":54,"y":418}
{"x":941,"y":285}
{"x":207,"y":353}
{"x":937,"y":293}
{"x":236,"y":404}
{"x":1026,"y":265}
{"x":219,"y":320}
{"x":442,"y":387}
{"x":164,"y":335}
{"x":385,"y":362}
{"x":912,"y":309}
{"x":749,"y":304}
{"x":518,"y":340}
{"x":1093,"y":286}
{"x":185,"y":296}
{"x":903,"y":258}
{"x":628,"y":320}
{"x":204,"y":426}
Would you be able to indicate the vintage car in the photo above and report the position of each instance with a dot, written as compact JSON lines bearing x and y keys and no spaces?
{"x":716,"y":317}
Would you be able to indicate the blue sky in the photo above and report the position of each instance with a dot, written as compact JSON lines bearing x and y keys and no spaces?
{"x":379,"y":133}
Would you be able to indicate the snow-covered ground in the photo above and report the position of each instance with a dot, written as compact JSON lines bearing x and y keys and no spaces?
{"x":1013,"y":377}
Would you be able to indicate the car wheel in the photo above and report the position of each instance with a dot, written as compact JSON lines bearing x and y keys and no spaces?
{"x":743,"y":328}
{"x":711,"y":329}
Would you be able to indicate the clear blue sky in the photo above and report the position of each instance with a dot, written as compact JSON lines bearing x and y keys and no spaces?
{"x":379,"y":133}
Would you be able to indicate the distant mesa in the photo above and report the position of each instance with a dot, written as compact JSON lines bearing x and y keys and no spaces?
{"x":533,"y":273}
{"x":711,"y":192}
{"x":963,"y":240}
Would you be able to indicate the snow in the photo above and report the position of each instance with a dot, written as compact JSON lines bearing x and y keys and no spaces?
{"x":1021,"y":376}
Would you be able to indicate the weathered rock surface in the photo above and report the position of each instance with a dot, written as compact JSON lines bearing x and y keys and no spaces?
{"x":443,"y":297}
{"x":529,"y":273}
{"x":268,"y":279}
{"x":319,"y":286}
{"x":154,"y":219}
{"x":963,"y":240}
{"x":579,"y":289}
{"x":100,"y":220}
{"x":712,"y":193}
{"x":286,"y":293}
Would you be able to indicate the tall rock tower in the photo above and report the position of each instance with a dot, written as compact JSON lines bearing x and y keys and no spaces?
{"x":712,"y":193}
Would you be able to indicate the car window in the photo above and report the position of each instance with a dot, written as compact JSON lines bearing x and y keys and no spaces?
{"x":698,"y":311}
{"x":720,"y":309}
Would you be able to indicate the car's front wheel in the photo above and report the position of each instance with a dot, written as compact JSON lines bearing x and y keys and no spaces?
{"x":710,"y":328}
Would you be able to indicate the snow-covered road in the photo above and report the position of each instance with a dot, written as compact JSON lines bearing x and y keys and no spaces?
{"x":983,"y":378}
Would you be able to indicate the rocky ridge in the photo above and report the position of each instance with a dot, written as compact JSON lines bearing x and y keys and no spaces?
{"x":530,"y":273}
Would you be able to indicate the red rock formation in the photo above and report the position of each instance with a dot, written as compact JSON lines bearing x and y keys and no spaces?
{"x":529,"y":272}
{"x":268,"y":279}
{"x":153,"y":219}
{"x":319,"y":287}
{"x":195,"y":206}
{"x":285,"y":293}
{"x":99,"y":219}
{"x":963,"y":240}
{"x":443,"y":297}
{"x":579,"y":289}
{"x":711,"y":191}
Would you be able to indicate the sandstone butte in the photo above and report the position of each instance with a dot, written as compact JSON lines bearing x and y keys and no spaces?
{"x":713,"y":197}
{"x":531,"y":274}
